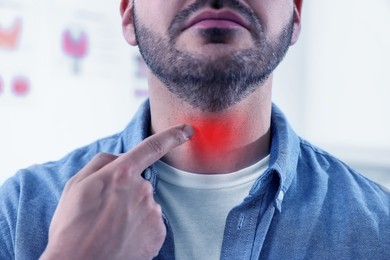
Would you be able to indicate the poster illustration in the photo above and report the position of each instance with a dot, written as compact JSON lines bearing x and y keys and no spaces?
{"x":65,"y":70}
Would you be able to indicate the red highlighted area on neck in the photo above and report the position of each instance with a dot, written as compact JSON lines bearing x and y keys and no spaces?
{"x":212,"y":138}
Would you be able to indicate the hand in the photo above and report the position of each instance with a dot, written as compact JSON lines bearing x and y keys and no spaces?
{"x":107,"y":210}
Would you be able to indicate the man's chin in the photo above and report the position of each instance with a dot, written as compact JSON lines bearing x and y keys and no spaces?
{"x":208,"y":47}
{"x":213,"y":52}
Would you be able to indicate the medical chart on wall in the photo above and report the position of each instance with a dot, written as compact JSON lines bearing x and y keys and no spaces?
{"x":67,"y":77}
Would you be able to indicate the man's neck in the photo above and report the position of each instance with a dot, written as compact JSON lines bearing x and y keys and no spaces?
{"x":223,"y":142}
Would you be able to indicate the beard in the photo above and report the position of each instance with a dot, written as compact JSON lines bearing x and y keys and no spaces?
{"x":212,"y":84}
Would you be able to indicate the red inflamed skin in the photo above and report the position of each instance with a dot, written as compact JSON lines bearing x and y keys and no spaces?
{"x":211,"y":138}
{"x":214,"y":141}
{"x":221,"y":143}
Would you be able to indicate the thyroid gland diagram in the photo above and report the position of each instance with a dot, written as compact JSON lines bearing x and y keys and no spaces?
{"x":19,"y":86}
{"x":75,"y":45}
{"x":10,"y":36}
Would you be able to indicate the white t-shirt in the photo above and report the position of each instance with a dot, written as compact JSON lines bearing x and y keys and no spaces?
{"x":197,"y":206}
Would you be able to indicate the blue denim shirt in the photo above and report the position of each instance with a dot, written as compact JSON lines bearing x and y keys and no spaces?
{"x":308,"y":204}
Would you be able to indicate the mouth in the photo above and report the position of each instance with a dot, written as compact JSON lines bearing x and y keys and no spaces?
{"x":212,"y":19}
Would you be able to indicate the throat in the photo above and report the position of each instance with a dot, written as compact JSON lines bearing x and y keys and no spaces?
{"x":219,"y":147}
{"x":224,"y":141}
{"x":213,"y":140}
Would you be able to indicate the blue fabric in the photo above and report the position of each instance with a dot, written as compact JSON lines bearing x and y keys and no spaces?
{"x":308,"y":205}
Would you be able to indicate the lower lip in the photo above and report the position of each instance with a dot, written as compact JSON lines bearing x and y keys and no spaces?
{"x":206,"y":24}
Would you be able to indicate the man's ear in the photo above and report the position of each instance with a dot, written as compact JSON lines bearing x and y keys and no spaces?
{"x":126,"y":10}
{"x":297,"y":20}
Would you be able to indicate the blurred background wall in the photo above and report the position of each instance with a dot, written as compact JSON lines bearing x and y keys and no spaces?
{"x":67,"y":78}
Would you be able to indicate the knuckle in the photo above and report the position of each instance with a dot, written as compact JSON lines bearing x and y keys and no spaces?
{"x":151,"y":250}
{"x":122,"y":170}
{"x":146,"y":189}
{"x":69,"y":183}
{"x":117,"y":177}
{"x":157,"y":211}
{"x":103,"y":157}
{"x":178,"y":136}
{"x":154,"y":213}
{"x":122,"y":175}
{"x":156,"y":146}
{"x":159,"y":229}
{"x":89,"y":191}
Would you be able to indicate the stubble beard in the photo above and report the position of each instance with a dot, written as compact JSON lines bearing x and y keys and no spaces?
{"x":212,"y":84}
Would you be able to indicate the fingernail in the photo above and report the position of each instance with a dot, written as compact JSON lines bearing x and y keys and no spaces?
{"x":188,"y":131}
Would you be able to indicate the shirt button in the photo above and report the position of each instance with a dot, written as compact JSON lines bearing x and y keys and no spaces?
{"x":148,"y":174}
{"x":281,"y":196}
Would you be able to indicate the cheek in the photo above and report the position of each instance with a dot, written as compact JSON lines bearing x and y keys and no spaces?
{"x":273,"y":14}
{"x":157,"y":14}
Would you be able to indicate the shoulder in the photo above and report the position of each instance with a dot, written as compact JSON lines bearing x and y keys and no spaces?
{"x":324,"y":173}
{"x":332,"y":206}
{"x":54,"y":174}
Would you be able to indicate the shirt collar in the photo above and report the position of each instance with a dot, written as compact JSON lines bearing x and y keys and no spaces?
{"x":284,"y":146}
{"x":138,"y":129}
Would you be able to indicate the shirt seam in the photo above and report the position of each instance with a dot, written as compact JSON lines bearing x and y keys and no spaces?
{"x":327,"y":155}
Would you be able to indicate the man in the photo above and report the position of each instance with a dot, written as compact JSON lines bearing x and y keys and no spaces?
{"x":208,"y":168}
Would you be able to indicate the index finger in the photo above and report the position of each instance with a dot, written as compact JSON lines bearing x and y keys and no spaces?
{"x":154,"y":147}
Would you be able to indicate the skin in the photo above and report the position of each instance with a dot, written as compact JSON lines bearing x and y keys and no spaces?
{"x":244,"y":129}
{"x":107,"y":210}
